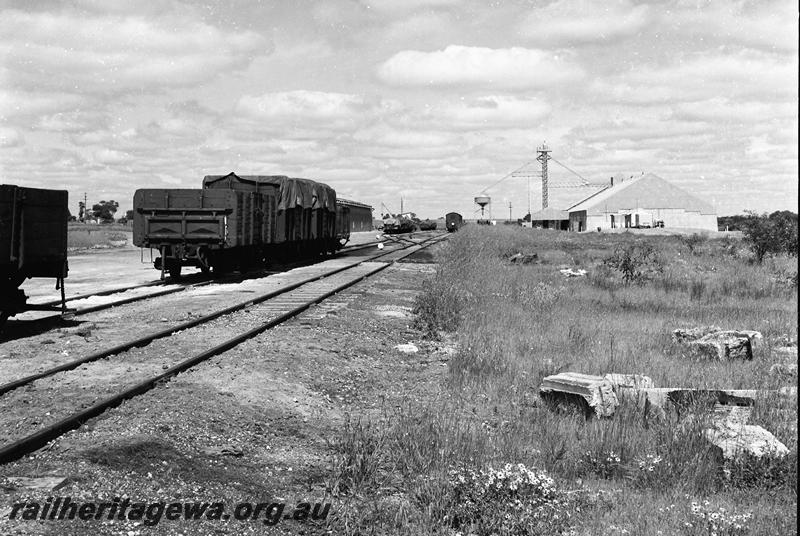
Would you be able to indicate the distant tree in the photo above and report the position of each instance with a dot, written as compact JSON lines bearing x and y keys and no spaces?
{"x":771,"y":234}
{"x":104,"y":210}
{"x":81,"y":211}
{"x":70,"y":217}
{"x":129,"y":214}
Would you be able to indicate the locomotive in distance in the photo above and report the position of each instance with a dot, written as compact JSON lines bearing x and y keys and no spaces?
{"x":239,"y":222}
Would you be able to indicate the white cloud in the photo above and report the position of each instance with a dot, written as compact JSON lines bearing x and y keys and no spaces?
{"x":73,"y":52}
{"x":73,"y":121}
{"x":10,"y":137}
{"x":111,"y":157}
{"x":492,"y":111}
{"x":739,"y":74}
{"x":584,"y":21}
{"x":726,"y":110}
{"x":303,"y":113}
{"x":764,"y":24}
{"x":394,"y":6}
{"x":498,"y":68}
{"x":19,"y":104}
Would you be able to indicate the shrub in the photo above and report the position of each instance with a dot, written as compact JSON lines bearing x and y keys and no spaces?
{"x":693,"y":242}
{"x":636,"y":262}
{"x":773,"y":234}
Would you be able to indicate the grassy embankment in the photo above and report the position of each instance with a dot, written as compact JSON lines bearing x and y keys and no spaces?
{"x":92,"y":236}
{"x":624,"y":475}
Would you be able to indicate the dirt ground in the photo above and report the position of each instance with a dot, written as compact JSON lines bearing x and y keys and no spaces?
{"x":254,"y":424}
{"x":92,"y":270}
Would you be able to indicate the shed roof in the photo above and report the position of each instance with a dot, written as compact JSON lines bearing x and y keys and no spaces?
{"x":645,"y":192}
{"x":550,"y":214}
{"x":351,"y":203}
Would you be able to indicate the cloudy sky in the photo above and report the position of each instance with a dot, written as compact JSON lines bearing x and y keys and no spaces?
{"x":431,"y":100}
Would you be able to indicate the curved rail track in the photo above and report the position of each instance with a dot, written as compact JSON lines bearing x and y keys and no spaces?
{"x":269,"y":309}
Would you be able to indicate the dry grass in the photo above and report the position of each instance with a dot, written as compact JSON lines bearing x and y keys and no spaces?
{"x":517,"y":324}
{"x":86,"y":236}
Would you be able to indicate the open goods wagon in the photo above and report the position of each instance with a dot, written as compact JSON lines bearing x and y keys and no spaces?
{"x":453,"y":221}
{"x":207,"y":229}
{"x":238,"y":222}
{"x":33,"y":243}
{"x":306,"y":211}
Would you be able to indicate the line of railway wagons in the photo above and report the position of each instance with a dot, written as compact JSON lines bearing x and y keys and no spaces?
{"x":237,"y":222}
{"x":232,"y":222}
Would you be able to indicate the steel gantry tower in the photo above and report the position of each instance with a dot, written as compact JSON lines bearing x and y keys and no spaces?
{"x":543,"y":157}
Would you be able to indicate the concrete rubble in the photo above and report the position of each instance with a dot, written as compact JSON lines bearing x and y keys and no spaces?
{"x":656,"y":401}
{"x":629,"y":381}
{"x":733,"y":438}
{"x":716,"y":343}
{"x":730,"y":409}
{"x":407,"y":348}
{"x":594,"y":393}
{"x":523,"y":258}
{"x":569,"y":272}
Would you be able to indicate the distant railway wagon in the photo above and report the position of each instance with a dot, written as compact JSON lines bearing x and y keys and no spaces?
{"x":453,"y":221}
{"x":33,"y":242}
{"x":360,"y":215}
{"x":235,"y":222}
{"x":398,"y":225}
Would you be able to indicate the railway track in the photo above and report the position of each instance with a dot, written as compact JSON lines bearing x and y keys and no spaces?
{"x":172,"y":287}
{"x":265,"y":311}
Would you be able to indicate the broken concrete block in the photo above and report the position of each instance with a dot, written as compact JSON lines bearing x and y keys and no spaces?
{"x":407,"y":348}
{"x":717,"y":343}
{"x":39,"y":483}
{"x":526,"y":258}
{"x":790,"y":391}
{"x":692,"y":334}
{"x":655,"y":402}
{"x":734,"y":439}
{"x":786,"y":370}
{"x":629,"y":381}
{"x":569,"y":272}
{"x":594,"y":392}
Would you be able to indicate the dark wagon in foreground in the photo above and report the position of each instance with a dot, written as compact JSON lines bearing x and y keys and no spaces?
{"x":453,"y":221}
{"x":33,"y":242}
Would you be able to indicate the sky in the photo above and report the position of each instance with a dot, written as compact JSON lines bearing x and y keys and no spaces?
{"x":431,"y":101}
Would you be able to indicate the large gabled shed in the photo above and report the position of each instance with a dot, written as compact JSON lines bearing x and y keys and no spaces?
{"x":646,"y":201}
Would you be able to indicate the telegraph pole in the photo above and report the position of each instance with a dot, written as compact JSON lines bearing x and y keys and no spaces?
{"x":509,"y":211}
{"x":543,"y":157}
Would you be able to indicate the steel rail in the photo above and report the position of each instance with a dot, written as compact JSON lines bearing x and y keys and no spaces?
{"x":91,"y":309}
{"x":188,"y":279}
{"x":39,"y":439}
{"x":147,"y":339}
